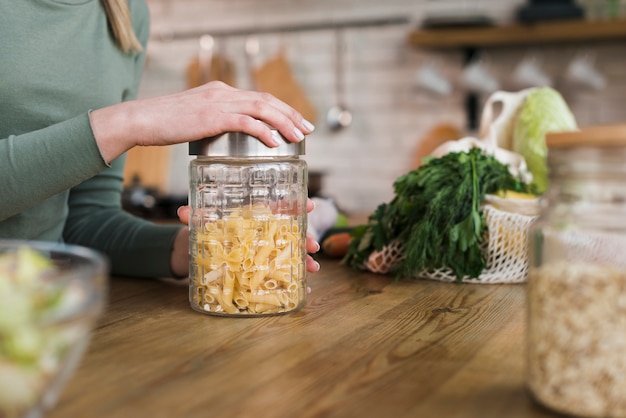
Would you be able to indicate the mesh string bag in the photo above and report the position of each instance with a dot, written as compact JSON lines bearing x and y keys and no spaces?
{"x":505,"y":251}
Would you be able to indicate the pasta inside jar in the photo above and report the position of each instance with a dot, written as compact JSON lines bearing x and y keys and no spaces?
{"x":248,"y":264}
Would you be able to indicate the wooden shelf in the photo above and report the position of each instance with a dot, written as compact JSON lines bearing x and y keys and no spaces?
{"x":471,"y":39}
{"x":517,"y":34}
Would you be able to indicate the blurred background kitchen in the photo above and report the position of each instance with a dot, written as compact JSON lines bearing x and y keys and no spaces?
{"x":392,"y":64}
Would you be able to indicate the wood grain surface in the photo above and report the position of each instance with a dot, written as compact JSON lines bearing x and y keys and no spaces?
{"x":558,"y":31}
{"x":364,"y":345}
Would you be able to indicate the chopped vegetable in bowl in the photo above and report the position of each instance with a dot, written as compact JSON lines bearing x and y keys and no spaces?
{"x":50,"y":298}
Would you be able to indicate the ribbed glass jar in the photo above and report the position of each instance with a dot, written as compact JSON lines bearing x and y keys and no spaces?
{"x":576,"y":350}
{"x":247,"y":227}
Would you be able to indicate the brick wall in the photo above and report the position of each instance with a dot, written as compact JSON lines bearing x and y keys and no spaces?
{"x":391,"y":113}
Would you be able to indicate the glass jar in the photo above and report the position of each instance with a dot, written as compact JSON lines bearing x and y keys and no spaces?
{"x":247,"y":227}
{"x":576,"y":351}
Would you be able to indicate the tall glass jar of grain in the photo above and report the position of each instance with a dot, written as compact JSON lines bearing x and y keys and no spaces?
{"x":577,"y":277}
{"x":247,"y":227}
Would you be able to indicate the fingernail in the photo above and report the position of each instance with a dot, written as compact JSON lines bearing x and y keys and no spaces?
{"x":308,"y":125}
{"x":299,"y":134}
{"x":317,"y":266}
{"x":317,"y":247}
{"x":276,"y":138}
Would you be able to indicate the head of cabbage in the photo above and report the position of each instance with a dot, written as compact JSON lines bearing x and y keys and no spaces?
{"x":543,"y":111}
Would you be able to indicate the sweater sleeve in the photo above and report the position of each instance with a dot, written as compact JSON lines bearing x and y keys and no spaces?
{"x":63,"y":155}
{"x":134,"y":246}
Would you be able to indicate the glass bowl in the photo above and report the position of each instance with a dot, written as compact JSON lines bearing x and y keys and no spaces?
{"x":51,"y":296}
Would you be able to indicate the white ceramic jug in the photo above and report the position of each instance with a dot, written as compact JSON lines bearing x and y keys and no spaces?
{"x":498,"y":118}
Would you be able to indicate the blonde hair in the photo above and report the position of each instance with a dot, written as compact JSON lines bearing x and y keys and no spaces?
{"x":120,"y":21}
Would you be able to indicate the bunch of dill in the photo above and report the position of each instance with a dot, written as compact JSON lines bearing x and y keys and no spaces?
{"x":436,"y":214}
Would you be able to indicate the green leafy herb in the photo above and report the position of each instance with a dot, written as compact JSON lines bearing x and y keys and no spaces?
{"x":436,"y":215}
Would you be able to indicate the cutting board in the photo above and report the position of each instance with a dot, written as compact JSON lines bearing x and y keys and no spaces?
{"x":150,"y":164}
{"x":275,"y":76}
{"x":221,"y":69}
{"x":436,"y":136}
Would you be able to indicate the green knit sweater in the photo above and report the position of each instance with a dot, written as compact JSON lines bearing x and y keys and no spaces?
{"x":58,"y":61}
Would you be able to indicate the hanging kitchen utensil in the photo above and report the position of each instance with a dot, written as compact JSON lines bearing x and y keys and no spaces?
{"x":339,"y":116}
{"x":209,"y":65}
{"x":251,"y":49}
{"x":275,"y":76}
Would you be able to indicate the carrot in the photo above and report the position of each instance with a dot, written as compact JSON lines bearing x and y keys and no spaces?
{"x":336,"y":245}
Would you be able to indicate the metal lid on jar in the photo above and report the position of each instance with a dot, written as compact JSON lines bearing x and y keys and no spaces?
{"x":594,"y":136}
{"x":239,"y":144}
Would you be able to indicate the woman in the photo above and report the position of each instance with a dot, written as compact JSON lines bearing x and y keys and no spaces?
{"x":68,"y":82}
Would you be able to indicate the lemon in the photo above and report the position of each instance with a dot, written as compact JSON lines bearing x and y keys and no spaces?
{"x":515,"y":202}
{"x":511,"y":194}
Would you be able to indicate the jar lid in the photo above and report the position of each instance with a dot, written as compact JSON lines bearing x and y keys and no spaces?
{"x":239,"y":144}
{"x":595,"y":136}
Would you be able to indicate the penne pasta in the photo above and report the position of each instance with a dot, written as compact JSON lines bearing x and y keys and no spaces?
{"x":256,"y":279}
{"x":211,"y":276}
{"x":228,"y":287}
{"x":221,"y":302}
{"x":248,"y":262}
{"x":208,"y":298}
{"x":267,"y":299}
{"x":263,"y":308}
{"x":241,"y":299}
{"x":270,"y":284}
{"x":280,"y":275}
{"x":262,"y":255}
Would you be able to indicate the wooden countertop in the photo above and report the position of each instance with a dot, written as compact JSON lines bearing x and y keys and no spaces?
{"x":363,"y":346}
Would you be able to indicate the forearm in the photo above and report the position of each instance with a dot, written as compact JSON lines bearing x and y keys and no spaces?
{"x":135,"y":247}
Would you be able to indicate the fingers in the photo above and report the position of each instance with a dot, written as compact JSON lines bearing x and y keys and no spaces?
{"x":312,"y":246}
{"x":257,"y":118}
{"x":252,"y":106}
{"x":310,"y":205}
{"x":183,"y":213}
{"x":262,"y":98}
{"x":238,"y":119}
{"x":312,"y":266}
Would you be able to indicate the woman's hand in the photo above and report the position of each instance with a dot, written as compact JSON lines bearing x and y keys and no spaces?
{"x":179,"y":261}
{"x":204,"y":111}
{"x":312,"y":246}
